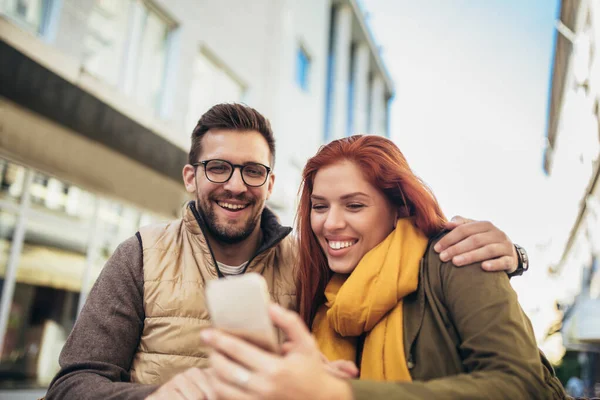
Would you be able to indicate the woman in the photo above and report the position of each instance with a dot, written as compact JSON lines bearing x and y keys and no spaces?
{"x":376,"y":293}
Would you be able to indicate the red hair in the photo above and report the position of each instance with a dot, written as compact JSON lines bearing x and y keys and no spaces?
{"x":384,"y":166}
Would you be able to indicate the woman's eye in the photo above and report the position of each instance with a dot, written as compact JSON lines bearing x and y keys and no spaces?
{"x":319,"y":207}
{"x":355,"y":206}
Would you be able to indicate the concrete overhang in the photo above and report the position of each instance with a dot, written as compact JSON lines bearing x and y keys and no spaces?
{"x":40,"y":78}
{"x":569,"y":10}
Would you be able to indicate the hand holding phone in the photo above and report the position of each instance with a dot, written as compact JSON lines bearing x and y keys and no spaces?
{"x":240,"y":305}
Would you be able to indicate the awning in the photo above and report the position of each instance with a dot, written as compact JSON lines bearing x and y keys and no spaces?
{"x":581,"y":328}
{"x":48,"y":266}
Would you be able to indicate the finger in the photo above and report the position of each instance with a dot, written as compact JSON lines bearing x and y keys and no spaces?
{"x":166,"y":392}
{"x":505,"y":263}
{"x":244,"y":353}
{"x":235,"y":375}
{"x":199,"y":379}
{"x":223,"y":390}
{"x":337,"y":373}
{"x":287,"y":347}
{"x":346,"y":366}
{"x":456,"y":221}
{"x":293,"y":327}
{"x":188,"y":390}
{"x":482,"y":254}
{"x":462,"y":232}
{"x":475,"y":242}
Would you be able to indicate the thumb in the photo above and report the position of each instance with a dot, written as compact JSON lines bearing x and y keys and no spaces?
{"x":456,"y":221}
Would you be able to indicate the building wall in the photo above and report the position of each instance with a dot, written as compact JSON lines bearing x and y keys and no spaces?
{"x":572,"y":163}
{"x":67,"y":201}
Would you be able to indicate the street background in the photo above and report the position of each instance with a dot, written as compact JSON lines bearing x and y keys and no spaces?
{"x":494,"y":104}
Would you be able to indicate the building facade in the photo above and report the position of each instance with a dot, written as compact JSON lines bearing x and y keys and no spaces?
{"x":571,"y":161}
{"x":98,"y":99}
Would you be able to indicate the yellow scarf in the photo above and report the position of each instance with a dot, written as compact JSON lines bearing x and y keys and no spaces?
{"x":370,"y":300}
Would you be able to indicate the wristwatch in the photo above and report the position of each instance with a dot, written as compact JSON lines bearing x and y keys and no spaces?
{"x":523,"y":261}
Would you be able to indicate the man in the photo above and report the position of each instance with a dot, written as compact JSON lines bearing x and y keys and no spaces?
{"x":139,"y":328}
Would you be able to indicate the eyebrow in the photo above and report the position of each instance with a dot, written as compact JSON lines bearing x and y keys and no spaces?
{"x":344,"y":197}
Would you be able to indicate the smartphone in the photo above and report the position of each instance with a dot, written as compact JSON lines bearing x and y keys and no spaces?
{"x":240,"y":305}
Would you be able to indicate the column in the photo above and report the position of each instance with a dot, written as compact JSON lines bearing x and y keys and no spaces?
{"x":342,"y":38}
{"x":361,"y":89}
{"x":377,"y":119}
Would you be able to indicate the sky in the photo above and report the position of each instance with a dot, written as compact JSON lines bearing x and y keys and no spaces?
{"x":472,"y":82}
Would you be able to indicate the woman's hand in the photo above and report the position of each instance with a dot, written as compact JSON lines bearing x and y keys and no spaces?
{"x":244,"y":371}
{"x":342,"y":369}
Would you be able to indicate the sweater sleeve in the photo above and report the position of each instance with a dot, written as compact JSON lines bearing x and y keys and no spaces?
{"x":497,"y":344}
{"x":96,"y":358}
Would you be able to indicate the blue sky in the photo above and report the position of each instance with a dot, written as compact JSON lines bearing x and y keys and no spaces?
{"x":472,"y":83}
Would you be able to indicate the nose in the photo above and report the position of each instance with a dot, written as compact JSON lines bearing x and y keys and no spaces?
{"x":236,"y":184}
{"x":335,"y":220}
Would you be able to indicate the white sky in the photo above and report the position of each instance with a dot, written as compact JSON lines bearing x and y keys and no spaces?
{"x":470,"y":111}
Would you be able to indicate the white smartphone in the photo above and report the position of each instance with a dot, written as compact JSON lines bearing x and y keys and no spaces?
{"x":240,"y":305}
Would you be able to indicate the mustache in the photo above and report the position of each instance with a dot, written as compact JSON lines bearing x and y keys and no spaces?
{"x":230,"y":196}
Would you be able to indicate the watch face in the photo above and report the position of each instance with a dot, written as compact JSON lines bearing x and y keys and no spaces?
{"x":523,"y":259}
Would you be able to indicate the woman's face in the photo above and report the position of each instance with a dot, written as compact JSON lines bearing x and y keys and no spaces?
{"x":349,"y":216}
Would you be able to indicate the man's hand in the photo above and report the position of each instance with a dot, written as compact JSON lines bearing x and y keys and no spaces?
{"x":191,"y":384}
{"x":471,"y":241}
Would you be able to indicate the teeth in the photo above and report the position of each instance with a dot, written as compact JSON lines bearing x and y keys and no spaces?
{"x":341,"y":245}
{"x":231,"y":206}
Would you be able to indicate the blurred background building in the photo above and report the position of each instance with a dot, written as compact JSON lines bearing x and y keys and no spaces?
{"x":571,"y":162}
{"x":97,"y":102}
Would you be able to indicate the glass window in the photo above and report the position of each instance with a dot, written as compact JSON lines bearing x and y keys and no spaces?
{"x":211,"y":84}
{"x":69,"y":235}
{"x":126,"y":45}
{"x":12,"y":178}
{"x":302,"y":68}
{"x":106,"y":38}
{"x":29,"y":13}
{"x":151,"y":58}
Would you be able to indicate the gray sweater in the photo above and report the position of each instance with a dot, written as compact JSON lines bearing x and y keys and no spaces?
{"x":96,"y":358}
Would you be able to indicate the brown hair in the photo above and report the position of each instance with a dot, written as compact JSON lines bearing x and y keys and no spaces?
{"x":234,"y":116}
{"x":385,"y":167}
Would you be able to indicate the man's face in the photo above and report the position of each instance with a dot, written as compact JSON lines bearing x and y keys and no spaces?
{"x":232,"y":209}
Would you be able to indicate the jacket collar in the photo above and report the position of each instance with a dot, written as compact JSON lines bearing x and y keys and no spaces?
{"x":414,"y":305}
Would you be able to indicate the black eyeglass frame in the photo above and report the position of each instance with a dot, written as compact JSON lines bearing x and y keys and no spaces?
{"x":233,"y":167}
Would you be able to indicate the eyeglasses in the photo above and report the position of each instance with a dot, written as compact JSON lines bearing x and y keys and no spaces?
{"x":220,"y":171}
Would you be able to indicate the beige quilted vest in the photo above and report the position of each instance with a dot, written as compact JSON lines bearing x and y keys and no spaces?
{"x":177,"y":263}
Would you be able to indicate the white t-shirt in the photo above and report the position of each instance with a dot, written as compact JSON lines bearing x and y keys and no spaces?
{"x":229,"y":270}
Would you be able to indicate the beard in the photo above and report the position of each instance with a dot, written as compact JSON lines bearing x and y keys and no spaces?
{"x":225,"y":232}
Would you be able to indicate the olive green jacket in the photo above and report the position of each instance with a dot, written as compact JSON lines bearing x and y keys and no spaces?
{"x":466,"y":337}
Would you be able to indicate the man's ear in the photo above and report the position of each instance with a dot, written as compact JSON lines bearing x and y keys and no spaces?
{"x":189,"y":178}
{"x":270,"y":183}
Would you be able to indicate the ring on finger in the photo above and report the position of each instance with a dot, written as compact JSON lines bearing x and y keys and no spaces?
{"x":242,"y":377}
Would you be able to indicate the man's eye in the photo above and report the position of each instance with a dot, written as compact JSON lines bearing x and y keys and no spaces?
{"x":253,"y":172}
{"x":218,"y":170}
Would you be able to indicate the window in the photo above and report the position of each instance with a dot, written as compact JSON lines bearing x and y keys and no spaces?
{"x":147,"y":57}
{"x":29,"y":13}
{"x":106,"y":38}
{"x":66,"y":236}
{"x":126,"y":45}
{"x":351,"y":87}
{"x":212,"y":83}
{"x":302,"y":69}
